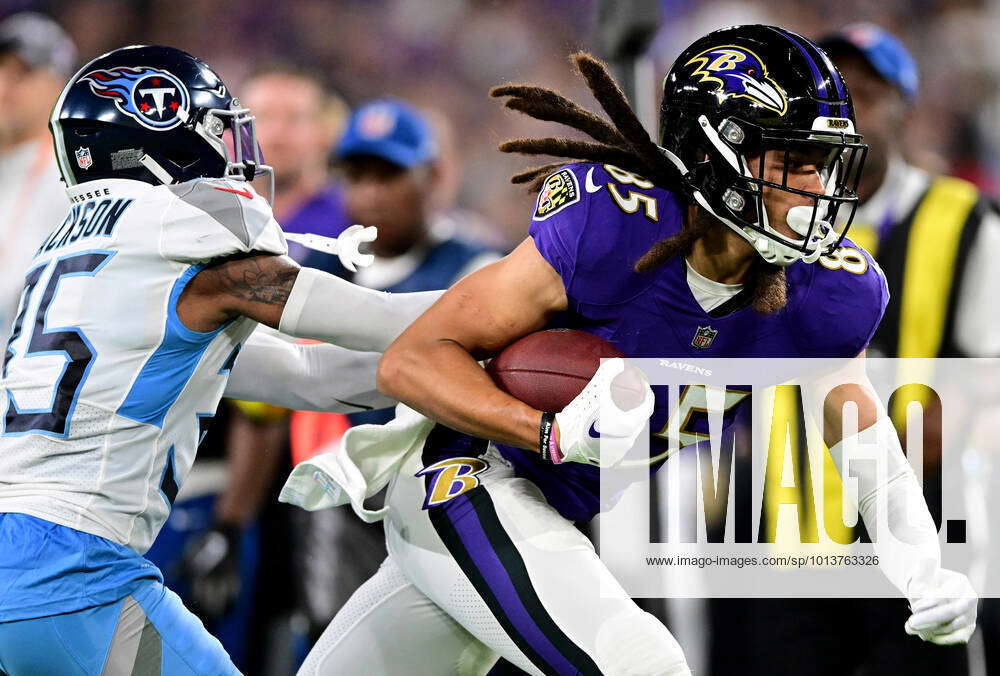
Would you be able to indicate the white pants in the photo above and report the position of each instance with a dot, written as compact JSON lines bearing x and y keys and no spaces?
{"x":481,"y":565}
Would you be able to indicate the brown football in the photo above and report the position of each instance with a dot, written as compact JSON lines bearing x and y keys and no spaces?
{"x":547,"y":369}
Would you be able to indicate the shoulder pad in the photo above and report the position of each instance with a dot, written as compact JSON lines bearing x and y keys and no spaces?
{"x":838,"y":313}
{"x":213,"y":218}
{"x":592,"y":226}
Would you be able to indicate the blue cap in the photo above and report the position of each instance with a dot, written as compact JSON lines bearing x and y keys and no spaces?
{"x":883,"y":50}
{"x":389,"y":129}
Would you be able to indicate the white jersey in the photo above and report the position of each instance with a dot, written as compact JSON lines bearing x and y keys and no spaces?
{"x":106,"y":393}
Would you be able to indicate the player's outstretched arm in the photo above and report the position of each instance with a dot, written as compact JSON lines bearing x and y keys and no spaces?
{"x":432,"y":367}
{"x":891,"y":503}
{"x":300,"y":302}
{"x":318,"y":377}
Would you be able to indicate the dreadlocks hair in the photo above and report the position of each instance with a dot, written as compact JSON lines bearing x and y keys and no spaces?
{"x":680,"y":243}
{"x":622,"y":141}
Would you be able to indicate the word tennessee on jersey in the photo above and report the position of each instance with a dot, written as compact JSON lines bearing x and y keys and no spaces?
{"x":106,"y":393}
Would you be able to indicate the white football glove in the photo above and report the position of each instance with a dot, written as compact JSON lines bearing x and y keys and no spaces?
{"x":345,"y":246}
{"x":943,"y":605}
{"x":580,"y":431}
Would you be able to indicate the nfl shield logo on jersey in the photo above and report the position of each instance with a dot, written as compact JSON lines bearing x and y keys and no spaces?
{"x":83,"y":158}
{"x":703,"y":337}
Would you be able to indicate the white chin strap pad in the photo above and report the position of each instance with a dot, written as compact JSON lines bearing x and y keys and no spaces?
{"x":800,"y":218}
{"x":823,"y":234}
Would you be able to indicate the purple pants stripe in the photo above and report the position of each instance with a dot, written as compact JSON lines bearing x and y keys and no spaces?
{"x":473,"y":536}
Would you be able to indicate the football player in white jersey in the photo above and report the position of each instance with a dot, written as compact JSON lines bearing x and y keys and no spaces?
{"x":134,"y":311}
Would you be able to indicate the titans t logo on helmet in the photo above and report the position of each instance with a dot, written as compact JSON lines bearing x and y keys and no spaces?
{"x":154,"y":98}
{"x":739,"y":72}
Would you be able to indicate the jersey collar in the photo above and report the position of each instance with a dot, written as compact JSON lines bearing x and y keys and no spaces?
{"x":108,"y":187}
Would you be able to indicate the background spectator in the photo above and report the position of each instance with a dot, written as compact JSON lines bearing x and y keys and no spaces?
{"x":36,"y":58}
{"x":298,"y":119}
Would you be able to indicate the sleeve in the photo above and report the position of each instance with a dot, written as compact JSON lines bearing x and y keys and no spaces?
{"x":844,"y":306}
{"x":316,"y":377}
{"x":361,"y":319}
{"x":559,"y":222}
{"x":213,"y":218}
{"x":592,"y":228}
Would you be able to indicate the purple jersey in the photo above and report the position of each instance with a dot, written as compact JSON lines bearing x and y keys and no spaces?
{"x":322,"y":214}
{"x":592,"y":223}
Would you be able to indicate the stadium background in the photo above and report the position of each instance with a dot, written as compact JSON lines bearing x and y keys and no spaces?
{"x":443,"y":56}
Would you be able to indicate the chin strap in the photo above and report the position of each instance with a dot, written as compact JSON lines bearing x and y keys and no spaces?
{"x":345,"y":246}
{"x":156,"y":170}
{"x":767,"y":248}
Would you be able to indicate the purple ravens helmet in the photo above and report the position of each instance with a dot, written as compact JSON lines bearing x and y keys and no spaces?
{"x":741,"y":91}
{"x":153,"y":114}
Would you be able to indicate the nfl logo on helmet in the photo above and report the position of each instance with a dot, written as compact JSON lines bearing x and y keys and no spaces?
{"x":83,"y":158}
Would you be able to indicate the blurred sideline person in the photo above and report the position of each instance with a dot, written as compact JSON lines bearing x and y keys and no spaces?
{"x":298,"y":119}
{"x":933,"y":237}
{"x":390,"y":159}
{"x":215,"y":525}
{"x":927,"y":232}
{"x":36,"y":57}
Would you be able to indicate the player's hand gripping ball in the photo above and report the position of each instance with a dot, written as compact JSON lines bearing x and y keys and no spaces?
{"x":560,"y":370}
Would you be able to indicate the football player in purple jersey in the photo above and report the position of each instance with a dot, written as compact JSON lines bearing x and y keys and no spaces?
{"x":719,"y":241}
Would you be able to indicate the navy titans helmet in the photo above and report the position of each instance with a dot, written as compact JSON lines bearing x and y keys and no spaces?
{"x":741,"y":92}
{"x":153,"y":114}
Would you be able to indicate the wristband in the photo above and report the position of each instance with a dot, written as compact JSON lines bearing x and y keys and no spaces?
{"x":547,"y":446}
